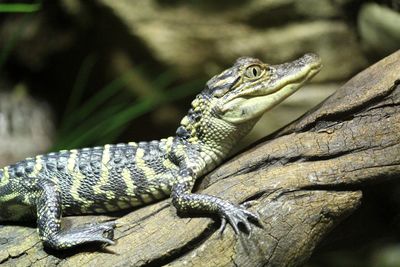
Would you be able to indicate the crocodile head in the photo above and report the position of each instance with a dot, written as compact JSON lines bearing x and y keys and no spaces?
{"x":251,"y":87}
{"x":234,"y":100}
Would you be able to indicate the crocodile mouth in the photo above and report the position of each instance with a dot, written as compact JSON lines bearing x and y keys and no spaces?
{"x":298,"y":81}
{"x":287,"y":76}
{"x":268,"y":97}
{"x":285,"y":80}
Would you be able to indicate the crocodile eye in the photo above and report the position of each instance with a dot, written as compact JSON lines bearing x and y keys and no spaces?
{"x":253,"y":72}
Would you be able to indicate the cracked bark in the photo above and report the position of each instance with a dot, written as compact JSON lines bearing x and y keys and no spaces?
{"x":303,"y":181}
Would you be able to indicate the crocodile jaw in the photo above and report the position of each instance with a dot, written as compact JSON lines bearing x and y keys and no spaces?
{"x":286,"y":79}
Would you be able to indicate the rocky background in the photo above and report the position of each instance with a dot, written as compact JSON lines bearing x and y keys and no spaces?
{"x":80,"y":73}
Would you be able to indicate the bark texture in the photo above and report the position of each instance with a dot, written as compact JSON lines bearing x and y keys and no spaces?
{"x":303,"y":181}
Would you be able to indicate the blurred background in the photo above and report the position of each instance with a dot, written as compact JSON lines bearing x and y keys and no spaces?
{"x":83,"y":73}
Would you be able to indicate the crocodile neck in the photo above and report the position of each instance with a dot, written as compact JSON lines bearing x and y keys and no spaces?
{"x":214,"y":137}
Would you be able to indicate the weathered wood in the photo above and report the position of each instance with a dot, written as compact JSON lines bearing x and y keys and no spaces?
{"x":302,"y":180}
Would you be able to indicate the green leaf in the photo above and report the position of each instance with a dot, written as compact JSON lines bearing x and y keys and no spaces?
{"x":20,"y":7}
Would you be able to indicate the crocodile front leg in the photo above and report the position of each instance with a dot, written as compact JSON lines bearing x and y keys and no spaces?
{"x":186,"y":201}
{"x":48,"y":208}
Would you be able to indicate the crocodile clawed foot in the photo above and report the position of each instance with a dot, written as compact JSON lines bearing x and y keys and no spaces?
{"x":92,"y":233}
{"x":236,"y":215}
{"x":98,"y":232}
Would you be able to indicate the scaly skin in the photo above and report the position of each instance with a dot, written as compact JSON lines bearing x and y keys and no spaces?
{"x":116,"y":177}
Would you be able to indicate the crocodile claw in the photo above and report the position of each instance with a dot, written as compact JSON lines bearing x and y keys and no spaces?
{"x":236,"y":215}
{"x":92,"y":233}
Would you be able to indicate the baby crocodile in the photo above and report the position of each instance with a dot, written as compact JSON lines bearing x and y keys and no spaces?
{"x":115,"y":177}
